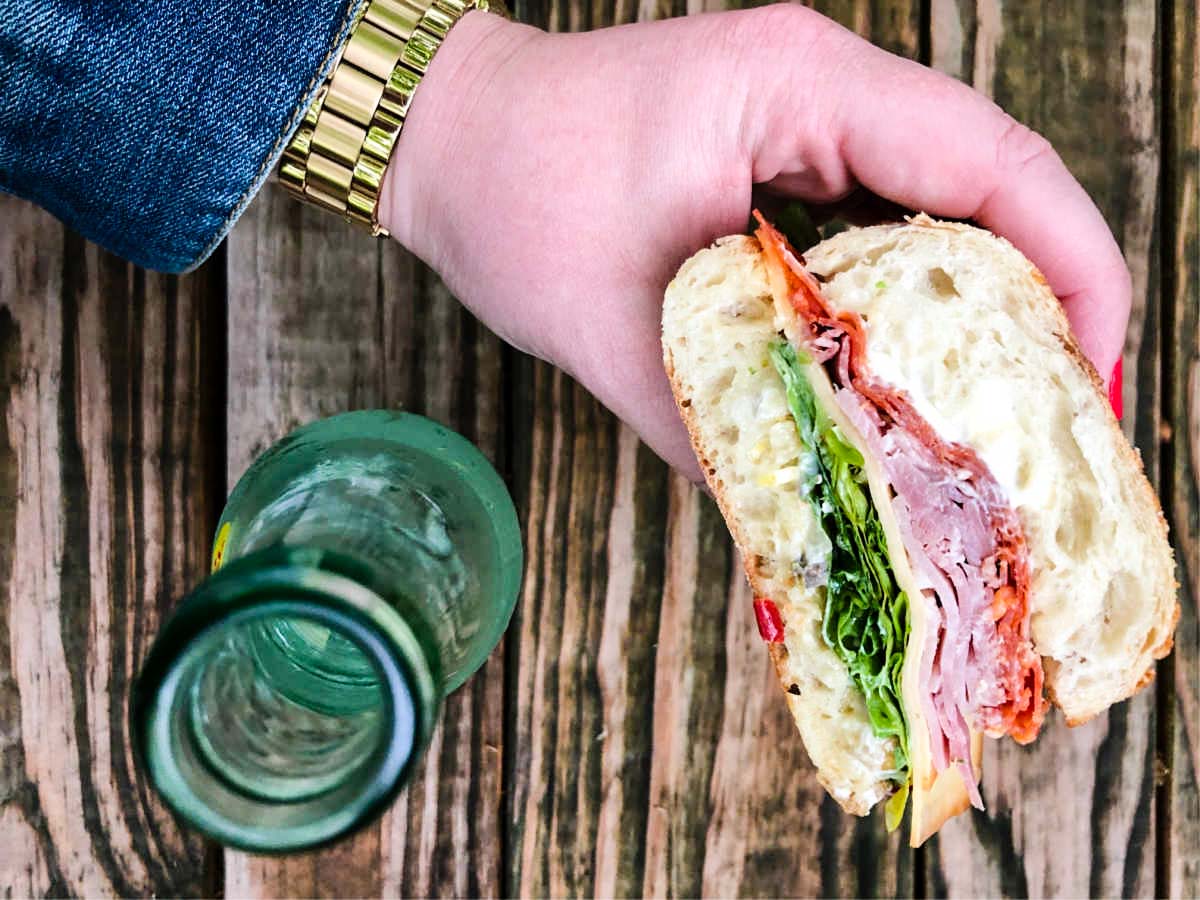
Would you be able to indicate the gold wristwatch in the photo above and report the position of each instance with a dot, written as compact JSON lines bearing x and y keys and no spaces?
{"x":337,"y":157}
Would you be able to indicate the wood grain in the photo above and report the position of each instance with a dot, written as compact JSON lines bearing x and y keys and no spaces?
{"x":652,"y":752}
{"x":321,"y":320}
{"x":629,"y":738}
{"x":443,"y":837}
{"x":1072,"y":815}
{"x":894,"y":25}
{"x":303,"y":342}
{"x":582,"y":649}
{"x":105,"y":511}
{"x":1179,"y":688}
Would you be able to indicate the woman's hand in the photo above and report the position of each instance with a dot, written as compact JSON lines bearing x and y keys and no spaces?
{"x":557,"y":181}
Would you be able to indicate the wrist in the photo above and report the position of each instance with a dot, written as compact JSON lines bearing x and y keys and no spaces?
{"x":439,"y":137}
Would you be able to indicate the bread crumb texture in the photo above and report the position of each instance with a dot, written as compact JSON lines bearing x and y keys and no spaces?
{"x":717,"y":329}
{"x":964,"y":324}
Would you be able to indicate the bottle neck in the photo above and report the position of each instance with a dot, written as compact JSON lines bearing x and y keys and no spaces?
{"x":286,"y":701}
{"x":405,"y":496}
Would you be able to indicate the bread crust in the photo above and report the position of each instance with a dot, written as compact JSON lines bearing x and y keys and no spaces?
{"x":842,"y":781}
{"x":1142,"y":503}
{"x":776,"y":651}
{"x":1133,"y":459}
{"x":1140,"y":500}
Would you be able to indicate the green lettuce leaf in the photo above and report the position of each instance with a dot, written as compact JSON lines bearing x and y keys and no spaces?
{"x":866,"y":614}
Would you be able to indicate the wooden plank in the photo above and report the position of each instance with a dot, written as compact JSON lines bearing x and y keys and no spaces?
{"x":442,"y":839}
{"x":323,"y":319}
{"x":789,"y":850}
{"x":651,"y":750}
{"x":581,"y":649}
{"x":894,"y":25}
{"x":106,"y":379}
{"x":1180,"y":694}
{"x":731,"y":765}
{"x":1074,"y":814}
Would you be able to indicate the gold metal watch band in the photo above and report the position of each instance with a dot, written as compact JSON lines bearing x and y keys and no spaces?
{"x":337,"y":157}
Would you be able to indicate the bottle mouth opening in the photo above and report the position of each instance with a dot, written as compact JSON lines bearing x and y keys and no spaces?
{"x":282,"y":705}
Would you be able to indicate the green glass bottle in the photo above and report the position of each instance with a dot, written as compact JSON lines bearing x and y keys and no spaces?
{"x":364,"y":567}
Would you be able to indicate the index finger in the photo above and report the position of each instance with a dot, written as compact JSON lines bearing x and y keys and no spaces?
{"x":922,"y":139}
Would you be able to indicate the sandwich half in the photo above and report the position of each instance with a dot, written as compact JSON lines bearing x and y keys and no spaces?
{"x":944,"y":527}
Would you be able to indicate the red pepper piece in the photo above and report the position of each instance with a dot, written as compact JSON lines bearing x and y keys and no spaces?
{"x":770,"y":623}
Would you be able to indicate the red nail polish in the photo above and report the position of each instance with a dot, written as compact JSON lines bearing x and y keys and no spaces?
{"x":1114,"y":389}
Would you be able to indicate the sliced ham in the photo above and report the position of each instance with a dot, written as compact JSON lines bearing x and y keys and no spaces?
{"x":965,"y":544}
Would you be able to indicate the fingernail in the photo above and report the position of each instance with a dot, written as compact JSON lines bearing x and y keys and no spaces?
{"x":1114,"y":390}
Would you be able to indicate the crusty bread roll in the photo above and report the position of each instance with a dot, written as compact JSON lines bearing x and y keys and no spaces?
{"x":966,"y":326}
{"x":718,"y":322}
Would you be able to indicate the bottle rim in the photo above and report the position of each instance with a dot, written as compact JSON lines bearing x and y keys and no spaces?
{"x":272,"y":582}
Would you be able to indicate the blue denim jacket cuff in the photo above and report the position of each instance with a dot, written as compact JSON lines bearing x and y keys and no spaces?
{"x":150,"y":127}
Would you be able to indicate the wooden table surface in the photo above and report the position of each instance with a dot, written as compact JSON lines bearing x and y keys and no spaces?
{"x":627,"y":737}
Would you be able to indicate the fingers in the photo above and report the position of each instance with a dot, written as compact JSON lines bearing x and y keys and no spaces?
{"x":927,"y":142}
{"x":623,"y":368}
{"x":656,"y":418}
{"x":669,"y":439}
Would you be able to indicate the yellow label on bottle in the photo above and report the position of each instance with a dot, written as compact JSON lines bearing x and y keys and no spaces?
{"x":218,"y":556}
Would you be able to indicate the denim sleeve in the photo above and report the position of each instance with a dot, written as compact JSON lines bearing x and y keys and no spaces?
{"x":149,"y":126}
